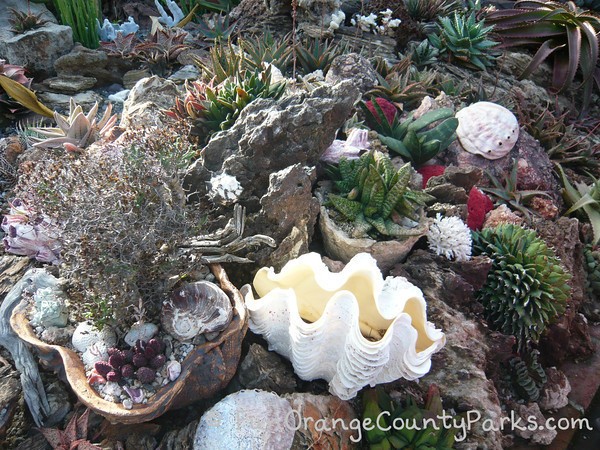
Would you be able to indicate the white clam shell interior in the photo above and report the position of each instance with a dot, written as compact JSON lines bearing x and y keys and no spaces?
{"x":350,"y":328}
{"x":487,"y":129}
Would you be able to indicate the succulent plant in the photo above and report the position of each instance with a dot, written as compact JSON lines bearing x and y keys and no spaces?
{"x":464,"y":40}
{"x":425,"y":10}
{"x":526,"y":287}
{"x":417,"y":434}
{"x":373,"y":195}
{"x":423,"y":54}
{"x":591,"y":5}
{"x":225,"y":61}
{"x":217,"y":29}
{"x":316,"y":55}
{"x":146,"y":375}
{"x":9,"y":107}
{"x":23,"y":21}
{"x":214,"y":108}
{"x":528,"y":376}
{"x":162,"y":47}
{"x":592,"y":268}
{"x":410,"y":138}
{"x":583,"y":197}
{"x":81,"y":16}
{"x":76,"y":131}
{"x":265,"y":48}
{"x":508,"y":194}
{"x":124,"y":46}
{"x":73,"y":436}
{"x":558,"y":29}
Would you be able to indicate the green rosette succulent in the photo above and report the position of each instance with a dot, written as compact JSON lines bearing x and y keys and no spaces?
{"x":526,"y":287}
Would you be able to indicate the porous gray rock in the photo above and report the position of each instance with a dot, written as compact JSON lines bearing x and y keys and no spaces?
{"x":459,"y":369}
{"x":70,"y":84}
{"x":146,"y":101}
{"x":60,"y":102}
{"x":353,"y":67}
{"x":556,"y":390}
{"x":532,"y":425}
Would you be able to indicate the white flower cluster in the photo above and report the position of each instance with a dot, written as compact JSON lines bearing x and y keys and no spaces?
{"x":337,"y":18}
{"x":369,"y":23}
{"x":449,"y":236}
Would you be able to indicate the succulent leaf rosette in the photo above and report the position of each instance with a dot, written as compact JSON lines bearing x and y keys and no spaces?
{"x":526,"y":287}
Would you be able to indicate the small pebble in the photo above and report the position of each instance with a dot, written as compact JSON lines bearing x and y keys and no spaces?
{"x":127,"y":403}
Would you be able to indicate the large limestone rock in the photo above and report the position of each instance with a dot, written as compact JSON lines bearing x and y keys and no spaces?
{"x":86,"y":62}
{"x":146,"y":101}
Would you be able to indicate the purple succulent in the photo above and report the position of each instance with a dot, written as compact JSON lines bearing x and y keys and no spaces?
{"x":103,"y":368}
{"x":113,"y":376}
{"x":150,"y":352}
{"x":146,"y":375}
{"x":127,"y":371}
{"x":128,"y":356}
{"x":158,"y":361}
{"x":111,"y":351}
{"x":117,"y":359}
{"x":139,"y":360}
{"x":157,"y":345}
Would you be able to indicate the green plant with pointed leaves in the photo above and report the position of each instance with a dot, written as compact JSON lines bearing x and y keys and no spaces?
{"x":411,"y":138}
{"x":374,"y":196}
{"x":317,"y":55}
{"x":219,"y":29}
{"x":81,"y":16}
{"x":425,"y":10}
{"x":464,"y":40}
{"x":417,"y":434}
{"x":556,"y":29}
{"x":215,"y":108}
{"x":583,"y":197}
{"x":526,"y":288}
{"x":265,"y":48}
{"x":508,"y":194}
{"x":591,"y":264}
{"x":225,"y":61}
{"x":424,"y":54}
{"x":528,"y":376}
{"x":24,"y":21}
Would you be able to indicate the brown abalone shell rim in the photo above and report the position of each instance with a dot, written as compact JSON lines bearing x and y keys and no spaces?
{"x":172,"y":395}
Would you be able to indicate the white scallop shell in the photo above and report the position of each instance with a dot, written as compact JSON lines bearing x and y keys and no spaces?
{"x":487,"y":129}
{"x":339,"y":310}
{"x":86,"y":334}
{"x":248,"y":419}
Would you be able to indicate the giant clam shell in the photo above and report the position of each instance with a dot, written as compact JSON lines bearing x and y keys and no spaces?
{"x":487,"y":129}
{"x":195,"y":308}
{"x":351,"y":328}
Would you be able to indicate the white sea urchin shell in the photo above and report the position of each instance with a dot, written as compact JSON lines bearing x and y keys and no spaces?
{"x":350,"y":328}
{"x":487,"y":129}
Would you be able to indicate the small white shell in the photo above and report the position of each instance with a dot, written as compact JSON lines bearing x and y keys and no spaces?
{"x":350,"y":328}
{"x":247,"y":420}
{"x":173,"y":370}
{"x":142,"y":331}
{"x":86,"y":334}
{"x":487,"y":129}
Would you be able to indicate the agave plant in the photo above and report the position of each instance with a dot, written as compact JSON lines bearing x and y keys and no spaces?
{"x":265,"y":48}
{"x":526,"y":288}
{"x":163,"y":46}
{"x":423,"y":54}
{"x":374,"y":196}
{"x":76,"y":131}
{"x":464,"y":40}
{"x":24,"y":21}
{"x":411,"y":138}
{"x":583,"y":197}
{"x":316,"y":55}
{"x":217,"y":29}
{"x":225,"y":61}
{"x":423,"y":429}
{"x":556,"y":29}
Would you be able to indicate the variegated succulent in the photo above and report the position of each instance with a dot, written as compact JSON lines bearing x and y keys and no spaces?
{"x":375,"y":196}
{"x":76,"y":131}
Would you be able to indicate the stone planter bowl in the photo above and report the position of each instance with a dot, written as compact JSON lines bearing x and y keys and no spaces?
{"x":206,"y":370}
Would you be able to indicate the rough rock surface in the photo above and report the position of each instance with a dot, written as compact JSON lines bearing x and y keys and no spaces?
{"x":534,"y":165}
{"x":60,"y":102}
{"x":353,"y":67}
{"x":36,"y":49}
{"x":146,"y":101}
{"x":70,"y":84}
{"x":459,"y":368}
{"x":569,"y":336}
{"x":86,"y":62}
{"x":262,"y":369}
{"x":531,"y":413}
{"x":324,"y":416}
{"x":556,"y":390}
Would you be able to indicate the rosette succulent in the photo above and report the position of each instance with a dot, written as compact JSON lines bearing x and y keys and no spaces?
{"x":375,"y":196}
{"x":526,"y":287}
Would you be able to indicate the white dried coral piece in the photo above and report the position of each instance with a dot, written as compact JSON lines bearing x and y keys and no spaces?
{"x":451,"y":237}
{"x":351,"y":328}
{"x":225,"y":189}
{"x":487,"y":129}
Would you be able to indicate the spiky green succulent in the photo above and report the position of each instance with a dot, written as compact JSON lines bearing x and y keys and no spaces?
{"x":23,"y":21}
{"x":424,"y":54}
{"x":526,"y":287}
{"x":316,"y":55}
{"x":592,"y":268}
{"x":416,"y":140}
{"x":383,"y":412}
{"x":464,"y":40}
{"x":528,"y":376}
{"x":375,"y":196}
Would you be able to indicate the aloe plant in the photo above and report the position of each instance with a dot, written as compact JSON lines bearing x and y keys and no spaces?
{"x":583,"y":197}
{"x":411,"y":139}
{"x":77,"y":130}
{"x":220,"y":29}
{"x":316,"y":55}
{"x":374,"y":196}
{"x":560,"y":30}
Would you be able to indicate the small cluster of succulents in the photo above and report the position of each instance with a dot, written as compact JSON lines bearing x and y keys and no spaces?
{"x":374,"y":195}
{"x":140,"y":362}
{"x":526,"y":287}
{"x":422,"y":430}
{"x":449,"y":236}
{"x":528,"y":375}
{"x":24,"y":21}
{"x":412,"y":139}
{"x":77,"y":131}
{"x":464,"y":40}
